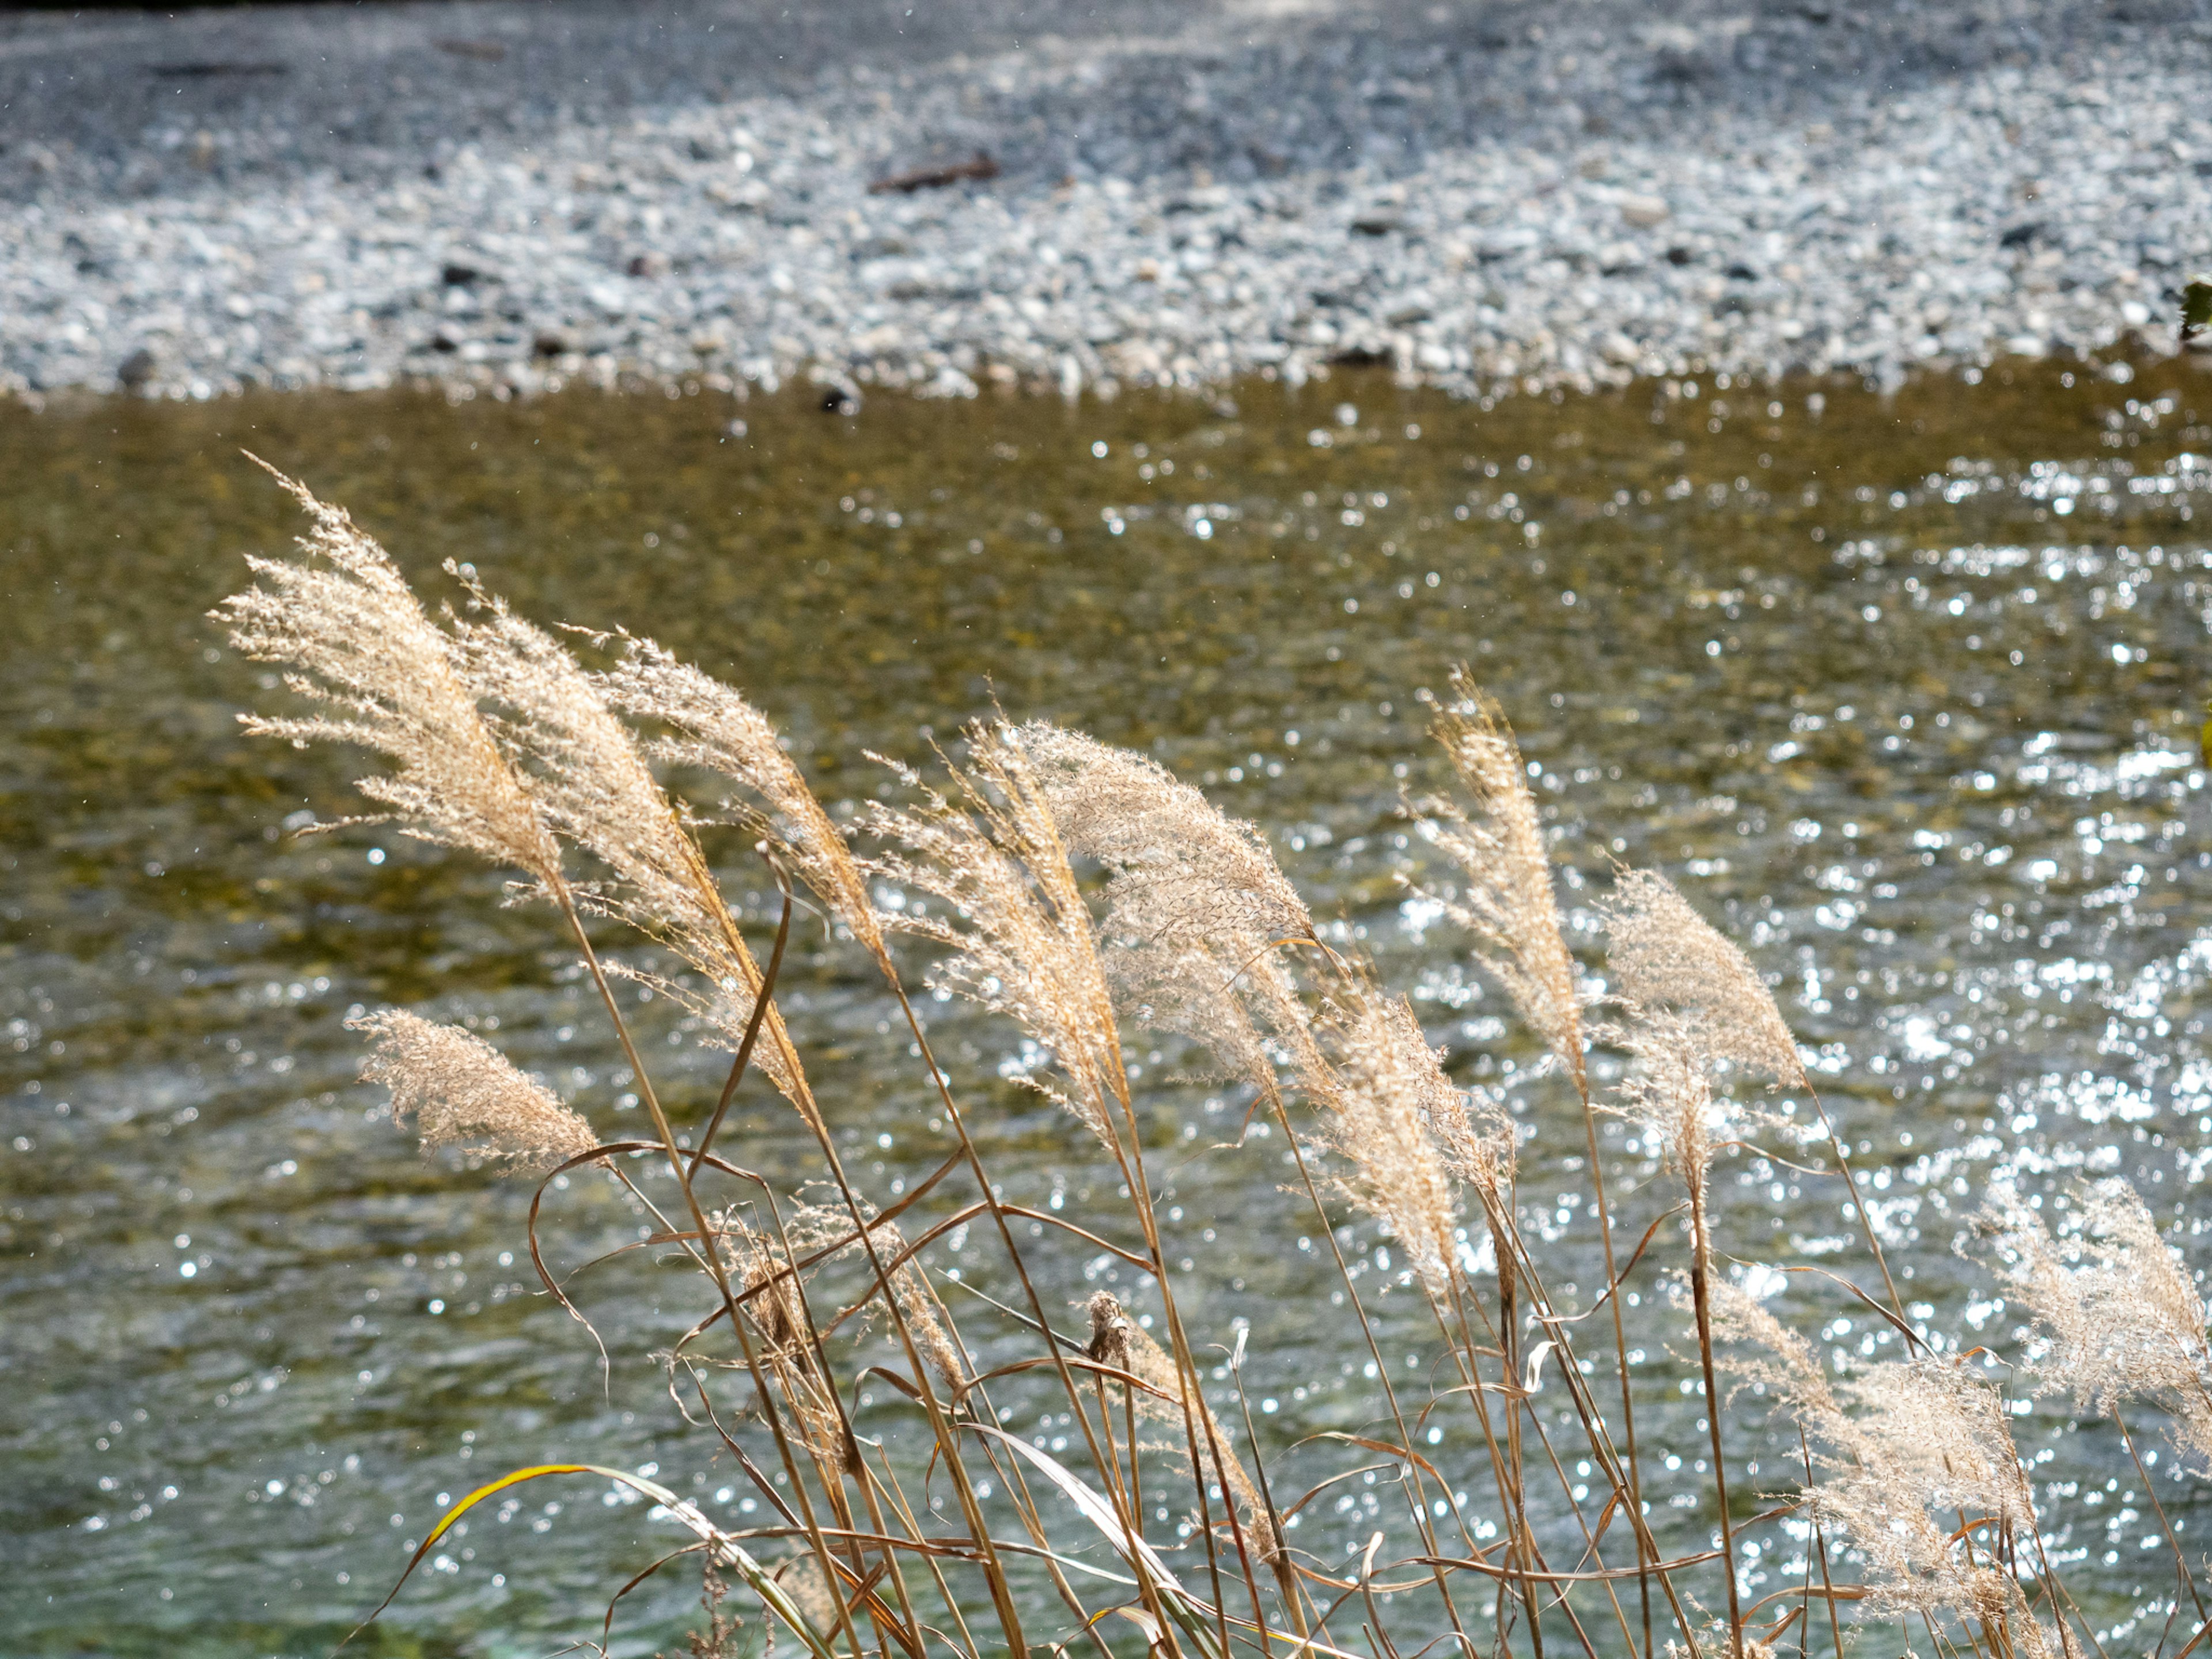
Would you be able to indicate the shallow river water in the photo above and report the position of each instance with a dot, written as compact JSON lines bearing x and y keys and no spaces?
{"x":1903,"y":690}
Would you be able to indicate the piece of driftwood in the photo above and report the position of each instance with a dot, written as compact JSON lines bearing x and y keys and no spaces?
{"x":978,"y":166}
{"x":182,"y":71}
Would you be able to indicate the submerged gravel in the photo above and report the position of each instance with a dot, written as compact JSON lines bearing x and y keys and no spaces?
{"x":512,"y":197}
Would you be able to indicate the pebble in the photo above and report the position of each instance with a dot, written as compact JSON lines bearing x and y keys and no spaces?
{"x":1523,"y":198}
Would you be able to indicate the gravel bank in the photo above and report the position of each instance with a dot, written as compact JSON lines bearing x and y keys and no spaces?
{"x":514,"y":196}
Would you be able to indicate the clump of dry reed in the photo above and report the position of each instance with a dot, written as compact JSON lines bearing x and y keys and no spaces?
{"x":1071,"y":887}
{"x":1906,"y":1449}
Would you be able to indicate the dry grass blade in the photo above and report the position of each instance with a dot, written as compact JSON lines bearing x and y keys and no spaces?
{"x":463,"y":1092}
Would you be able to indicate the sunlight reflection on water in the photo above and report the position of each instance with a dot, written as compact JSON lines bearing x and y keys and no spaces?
{"x":1903,"y":692}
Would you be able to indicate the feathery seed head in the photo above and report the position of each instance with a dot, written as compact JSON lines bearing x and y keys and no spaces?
{"x":1767,"y":1352}
{"x":1903,"y":1449}
{"x":1177,"y":865}
{"x":344,"y":622}
{"x":1668,"y":1094}
{"x":1507,"y":902}
{"x":1018,"y":937}
{"x":594,"y":788}
{"x":2118,"y":1315}
{"x":717,"y":730}
{"x":587,"y":774}
{"x":1196,"y":907}
{"x":1667,"y":957}
{"x":463,"y":1092}
{"x":1390,"y":1111}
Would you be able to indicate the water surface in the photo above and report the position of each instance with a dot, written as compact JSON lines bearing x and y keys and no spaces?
{"x":1903,"y":691}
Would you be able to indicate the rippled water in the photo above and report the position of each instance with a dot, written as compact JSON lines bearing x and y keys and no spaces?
{"x":1906,"y":691}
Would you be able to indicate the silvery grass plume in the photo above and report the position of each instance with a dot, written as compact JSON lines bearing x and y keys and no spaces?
{"x":1387,"y":1108}
{"x":718,"y":732}
{"x":1118,"y":1341}
{"x":1175,"y":859}
{"x":1506,"y":901}
{"x":463,"y":1092}
{"x":1197,"y":910}
{"x":1017,"y":934}
{"x":1668,"y":1094}
{"x":1663,"y":956}
{"x":2118,"y":1316}
{"x":344,"y":622}
{"x":594,"y":788}
{"x":1905,"y":1449}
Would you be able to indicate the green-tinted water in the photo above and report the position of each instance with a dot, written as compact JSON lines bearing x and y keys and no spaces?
{"x":1905,"y":690}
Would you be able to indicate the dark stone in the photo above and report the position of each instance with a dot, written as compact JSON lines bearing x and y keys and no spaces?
{"x":2021,"y":235}
{"x":1740,"y":272}
{"x":132,"y":374}
{"x":837,"y":400}
{"x":548,"y":343}
{"x":1375,"y":224}
{"x":1680,"y":256}
{"x":444,"y":340}
{"x":460,"y":276}
{"x":1675,"y":67}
